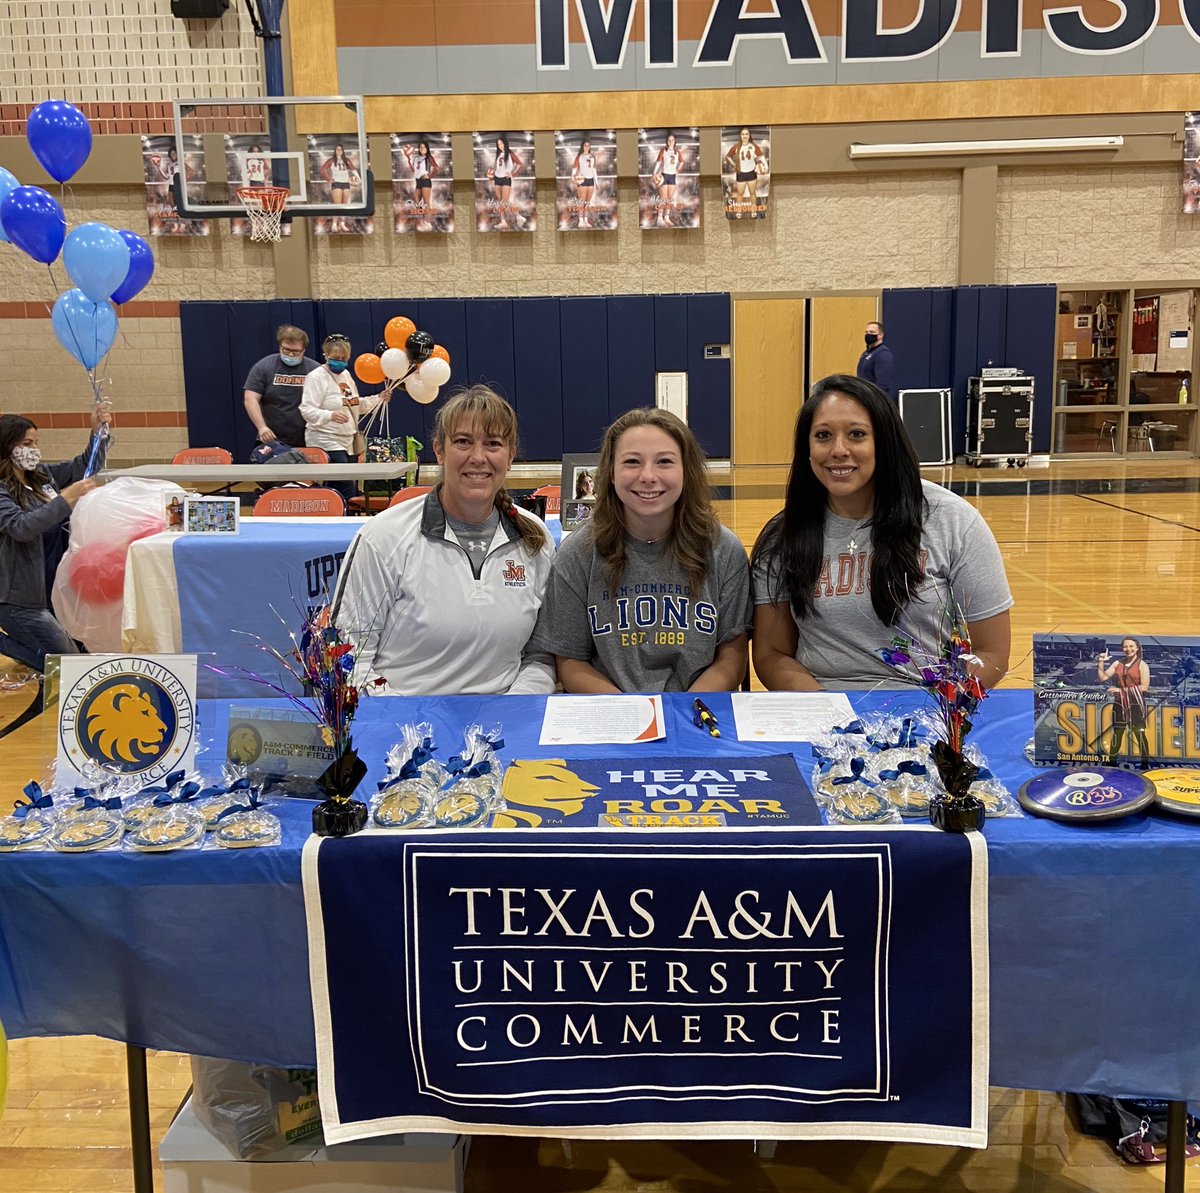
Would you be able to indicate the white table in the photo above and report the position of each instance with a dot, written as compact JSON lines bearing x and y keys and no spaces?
{"x":232,"y":474}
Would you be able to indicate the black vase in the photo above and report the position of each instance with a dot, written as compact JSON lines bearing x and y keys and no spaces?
{"x":957,"y":811}
{"x":339,"y":815}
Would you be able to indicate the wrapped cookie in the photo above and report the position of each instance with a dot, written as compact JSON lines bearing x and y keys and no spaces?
{"x":472,"y":792}
{"x":30,"y":822}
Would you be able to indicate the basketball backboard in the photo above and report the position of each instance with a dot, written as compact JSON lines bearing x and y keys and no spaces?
{"x":316,"y":146}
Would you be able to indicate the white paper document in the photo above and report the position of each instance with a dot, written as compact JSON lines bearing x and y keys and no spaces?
{"x":593,"y":720}
{"x":788,"y":716}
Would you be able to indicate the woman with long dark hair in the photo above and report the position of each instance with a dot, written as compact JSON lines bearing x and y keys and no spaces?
{"x":36,"y":501}
{"x":864,"y":549}
{"x":1129,"y":680}
{"x":653,"y":594}
{"x":505,"y":167}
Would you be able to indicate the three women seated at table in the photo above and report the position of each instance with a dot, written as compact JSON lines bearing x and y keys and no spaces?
{"x":462,"y":592}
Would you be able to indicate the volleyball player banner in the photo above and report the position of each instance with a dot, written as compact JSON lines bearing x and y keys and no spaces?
{"x":799,"y":984}
{"x":422,"y":182}
{"x":746,"y":170}
{"x":1191,"y":163}
{"x":505,"y":182}
{"x":585,"y":169}
{"x":335,"y":176}
{"x":1113,"y":697}
{"x":160,"y":166}
{"x":668,"y":178}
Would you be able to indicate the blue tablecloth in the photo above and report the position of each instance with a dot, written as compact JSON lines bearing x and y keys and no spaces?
{"x":238,"y":592}
{"x":1094,"y":965}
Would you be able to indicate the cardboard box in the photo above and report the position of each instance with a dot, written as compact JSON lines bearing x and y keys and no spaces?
{"x":193,"y":1161}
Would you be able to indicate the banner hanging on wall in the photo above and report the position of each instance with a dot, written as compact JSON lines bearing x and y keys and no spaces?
{"x":422,"y":182}
{"x":746,"y":170}
{"x":1191,"y":163}
{"x":335,"y":176}
{"x":160,"y":165}
{"x":246,"y":164}
{"x":586,"y":171}
{"x":668,"y":178}
{"x":505,"y":182}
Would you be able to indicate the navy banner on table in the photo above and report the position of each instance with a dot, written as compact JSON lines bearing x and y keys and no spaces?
{"x":807,"y":984}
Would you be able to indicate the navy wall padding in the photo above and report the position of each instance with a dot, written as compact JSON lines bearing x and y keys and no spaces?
{"x":539,"y":377}
{"x":630,"y":354}
{"x":708,"y":380}
{"x":583,"y":328}
{"x":490,"y":337}
{"x":670,"y":333}
{"x":1030,"y":345}
{"x":569,"y":365}
{"x":943,"y":337}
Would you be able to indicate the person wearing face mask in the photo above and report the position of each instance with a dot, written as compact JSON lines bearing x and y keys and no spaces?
{"x":273,"y":386}
{"x":876,"y":364}
{"x":331,"y":406}
{"x":36,"y":501}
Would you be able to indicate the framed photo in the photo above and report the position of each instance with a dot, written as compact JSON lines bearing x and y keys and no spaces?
{"x":211,"y":515}
{"x":578,"y":490}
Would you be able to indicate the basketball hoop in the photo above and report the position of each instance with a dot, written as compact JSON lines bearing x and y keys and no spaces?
{"x":264,"y":206}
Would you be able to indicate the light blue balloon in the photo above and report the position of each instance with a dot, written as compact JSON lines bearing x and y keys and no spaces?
{"x":8,"y":184}
{"x":97,"y":258}
{"x":86,"y":329}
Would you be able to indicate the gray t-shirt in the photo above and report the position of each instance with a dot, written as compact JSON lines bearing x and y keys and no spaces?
{"x":280,"y":386}
{"x":475,"y":538}
{"x":650,"y":633}
{"x":840,"y":645}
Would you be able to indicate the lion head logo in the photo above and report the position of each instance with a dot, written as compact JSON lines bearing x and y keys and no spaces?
{"x":123,"y":718}
{"x":541,"y":783}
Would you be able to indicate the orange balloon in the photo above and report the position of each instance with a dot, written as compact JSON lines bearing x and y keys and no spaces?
{"x":440,"y":352}
{"x":368,"y":369}
{"x":398,"y":330}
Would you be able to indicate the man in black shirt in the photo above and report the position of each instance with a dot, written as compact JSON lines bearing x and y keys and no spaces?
{"x":876,"y":364}
{"x":274,"y":386}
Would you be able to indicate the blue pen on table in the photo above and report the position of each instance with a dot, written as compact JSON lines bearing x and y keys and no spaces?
{"x":705,"y":718}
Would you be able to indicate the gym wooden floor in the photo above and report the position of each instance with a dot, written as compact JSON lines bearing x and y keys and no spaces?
{"x":1088,"y":545}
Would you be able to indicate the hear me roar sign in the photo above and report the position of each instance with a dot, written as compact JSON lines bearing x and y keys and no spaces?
{"x":774,"y":984}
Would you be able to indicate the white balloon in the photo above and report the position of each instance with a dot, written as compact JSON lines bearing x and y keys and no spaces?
{"x":395,"y":363}
{"x":421,"y":391}
{"x":435,"y":371}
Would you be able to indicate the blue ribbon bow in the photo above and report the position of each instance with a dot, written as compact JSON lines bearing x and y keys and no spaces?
{"x":255,"y":801}
{"x":90,"y":803}
{"x":908,"y":767}
{"x":459,"y":769}
{"x":37,"y":799}
{"x":906,"y":738}
{"x":185,"y":794}
{"x":855,"y":727}
{"x":241,"y":784}
{"x":857,"y":766}
{"x":421,"y":754}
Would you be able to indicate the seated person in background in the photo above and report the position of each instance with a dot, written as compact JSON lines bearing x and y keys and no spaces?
{"x":864,"y":549}
{"x":653,"y":594}
{"x":36,"y":501}
{"x":271,"y":393}
{"x":439,"y":595}
{"x":330,"y":405}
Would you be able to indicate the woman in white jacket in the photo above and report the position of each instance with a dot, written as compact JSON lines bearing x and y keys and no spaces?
{"x":331,"y":405}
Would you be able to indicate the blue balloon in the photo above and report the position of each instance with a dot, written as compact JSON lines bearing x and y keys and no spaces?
{"x":97,"y":259}
{"x":86,"y":329}
{"x":141,"y":267}
{"x":60,"y":137}
{"x":8,"y":184}
{"x":34,"y":222}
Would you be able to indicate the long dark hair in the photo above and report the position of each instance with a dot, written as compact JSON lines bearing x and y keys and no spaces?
{"x":24,"y":485}
{"x":481,"y":407}
{"x":792,"y":544}
{"x":694,"y":526}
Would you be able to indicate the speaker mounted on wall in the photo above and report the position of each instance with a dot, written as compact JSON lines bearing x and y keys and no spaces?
{"x":206,"y":10}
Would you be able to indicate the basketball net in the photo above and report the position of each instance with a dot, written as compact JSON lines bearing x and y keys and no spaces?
{"x":264,"y":206}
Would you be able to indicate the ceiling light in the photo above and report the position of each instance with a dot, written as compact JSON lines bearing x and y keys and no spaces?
{"x":1020,"y":145}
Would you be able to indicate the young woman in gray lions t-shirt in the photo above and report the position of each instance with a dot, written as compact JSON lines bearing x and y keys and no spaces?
{"x":864,"y":549}
{"x":653,"y":594}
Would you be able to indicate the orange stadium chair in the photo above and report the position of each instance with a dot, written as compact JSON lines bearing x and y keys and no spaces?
{"x":202,"y":455}
{"x":291,"y":502}
{"x":409,"y":493}
{"x":314,"y":455}
{"x":553,"y":496}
